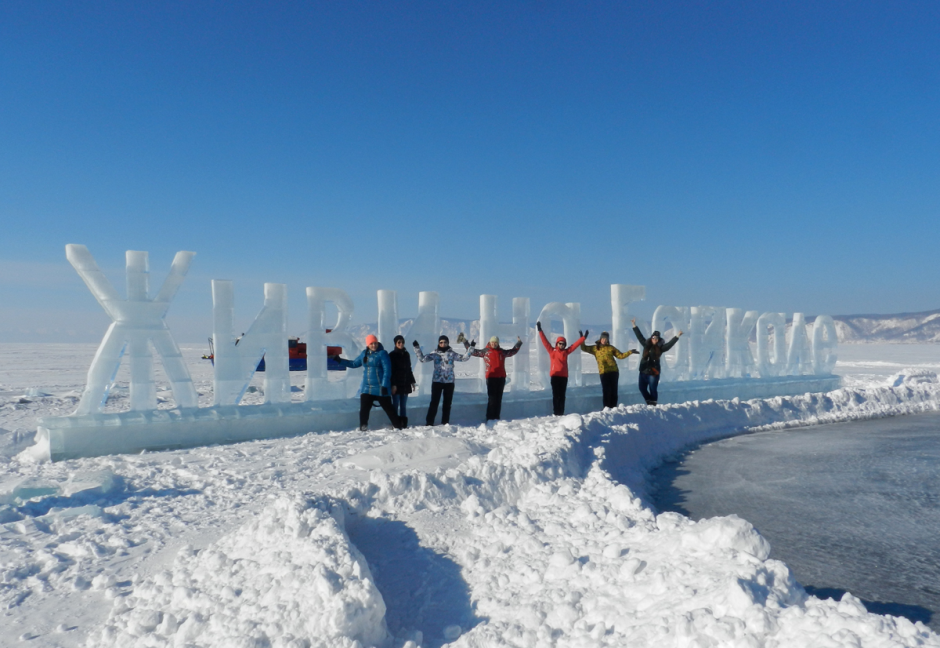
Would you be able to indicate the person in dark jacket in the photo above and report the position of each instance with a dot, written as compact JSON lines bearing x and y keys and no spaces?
{"x":376,"y":381}
{"x":558,"y":372}
{"x":495,"y":358}
{"x":650,"y":366}
{"x":403,"y":379}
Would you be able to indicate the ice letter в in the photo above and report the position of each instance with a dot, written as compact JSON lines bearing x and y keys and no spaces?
{"x":138,"y":321}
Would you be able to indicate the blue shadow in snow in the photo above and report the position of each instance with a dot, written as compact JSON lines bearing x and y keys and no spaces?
{"x":423,"y":590}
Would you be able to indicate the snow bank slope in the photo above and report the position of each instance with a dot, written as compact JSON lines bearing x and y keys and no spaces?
{"x":290,"y":576}
{"x":552,"y":548}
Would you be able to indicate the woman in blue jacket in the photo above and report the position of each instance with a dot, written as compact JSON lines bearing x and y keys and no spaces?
{"x":376,"y":381}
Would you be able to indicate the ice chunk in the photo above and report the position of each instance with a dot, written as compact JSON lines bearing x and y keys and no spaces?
{"x":425,"y":330}
{"x":799,"y":354}
{"x":318,"y":386}
{"x":236,"y":361}
{"x":137,"y":322}
{"x":775,"y":364}
{"x":825,"y":342}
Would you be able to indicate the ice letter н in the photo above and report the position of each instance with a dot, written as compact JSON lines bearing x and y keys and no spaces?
{"x":236,"y":362}
{"x":318,"y":386}
{"x":621,"y":296}
{"x":570,"y":316}
{"x":766,"y":366}
{"x":799,"y":355}
{"x":137,"y":322}
{"x":825,"y":341}
{"x":739,"y":361}
{"x":679,"y":320}
{"x":425,"y":330}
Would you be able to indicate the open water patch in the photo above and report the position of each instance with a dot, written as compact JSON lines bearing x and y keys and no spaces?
{"x":848,"y":506}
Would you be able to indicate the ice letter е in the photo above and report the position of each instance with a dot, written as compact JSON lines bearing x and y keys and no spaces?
{"x":137,"y":322}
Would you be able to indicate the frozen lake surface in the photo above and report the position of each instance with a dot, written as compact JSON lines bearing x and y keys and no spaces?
{"x":848,"y":506}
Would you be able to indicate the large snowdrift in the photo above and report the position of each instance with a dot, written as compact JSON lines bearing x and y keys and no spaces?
{"x":533,"y":532}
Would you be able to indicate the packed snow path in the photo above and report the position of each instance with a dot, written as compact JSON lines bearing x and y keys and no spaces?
{"x":527,"y":533}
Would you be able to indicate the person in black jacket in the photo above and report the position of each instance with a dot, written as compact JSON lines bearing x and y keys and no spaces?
{"x":650,"y":366}
{"x":403,"y":379}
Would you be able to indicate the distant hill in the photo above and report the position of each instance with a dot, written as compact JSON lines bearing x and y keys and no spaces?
{"x":904,"y":328}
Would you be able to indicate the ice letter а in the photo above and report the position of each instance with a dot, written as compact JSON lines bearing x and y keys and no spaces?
{"x":138,"y":321}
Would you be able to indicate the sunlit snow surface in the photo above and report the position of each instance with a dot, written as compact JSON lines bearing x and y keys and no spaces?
{"x":528,"y":533}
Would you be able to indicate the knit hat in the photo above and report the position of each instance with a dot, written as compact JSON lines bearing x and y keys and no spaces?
{"x":444,"y":338}
{"x":657,"y":335}
{"x":604,"y":334}
{"x":370,"y":339}
{"x":398,"y":338}
{"x":561,"y":338}
{"x":494,"y":341}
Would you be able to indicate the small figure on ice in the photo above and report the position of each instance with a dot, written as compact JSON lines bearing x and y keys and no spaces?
{"x":376,"y":381}
{"x":495,"y":358}
{"x":442,"y":382}
{"x":650,"y":366}
{"x":558,"y":373}
{"x":607,"y":365}
{"x":403,"y":379}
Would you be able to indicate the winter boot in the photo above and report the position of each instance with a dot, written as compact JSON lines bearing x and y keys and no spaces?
{"x":404,"y":422}
{"x":363,"y":428}
{"x":650,"y":402}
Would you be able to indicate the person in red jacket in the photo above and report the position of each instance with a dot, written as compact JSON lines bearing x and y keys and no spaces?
{"x":559,"y":370}
{"x":495,"y":358}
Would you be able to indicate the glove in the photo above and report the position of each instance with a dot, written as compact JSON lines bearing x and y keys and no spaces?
{"x":335,"y":358}
{"x":581,"y":334}
{"x":473,"y":343}
{"x":538,"y":325}
{"x":461,"y":337}
{"x":586,"y":333}
{"x":384,"y":391}
{"x":415,"y":344}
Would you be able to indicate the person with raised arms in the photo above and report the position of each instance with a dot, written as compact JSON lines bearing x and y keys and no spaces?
{"x":442,"y":382}
{"x":376,"y":381}
{"x":650,"y":366}
{"x":605,"y":354}
{"x":495,"y":358}
{"x":558,"y":372}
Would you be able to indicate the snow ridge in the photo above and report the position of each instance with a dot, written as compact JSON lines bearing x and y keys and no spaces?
{"x":547,"y":522}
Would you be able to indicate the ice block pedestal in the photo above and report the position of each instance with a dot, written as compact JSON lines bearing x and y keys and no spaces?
{"x":88,"y":435}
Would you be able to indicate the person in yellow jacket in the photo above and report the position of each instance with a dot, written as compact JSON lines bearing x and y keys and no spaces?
{"x":607,"y":366}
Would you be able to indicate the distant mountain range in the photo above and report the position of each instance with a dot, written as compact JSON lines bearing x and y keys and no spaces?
{"x":903,"y":328}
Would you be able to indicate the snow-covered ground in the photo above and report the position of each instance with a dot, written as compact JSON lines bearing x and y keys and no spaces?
{"x":533,"y":532}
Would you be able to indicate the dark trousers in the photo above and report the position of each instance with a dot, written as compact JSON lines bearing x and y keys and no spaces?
{"x":494,"y":397}
{"x":648,"y":387}
{"x":365,"y":406}
{"x":559,"y":387}
{"x":400,"y":402}
{"x":609,"y":387}
{"x":438,"y":388}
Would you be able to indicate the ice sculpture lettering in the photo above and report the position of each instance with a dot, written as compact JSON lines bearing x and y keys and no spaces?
{"x":137,"y":323}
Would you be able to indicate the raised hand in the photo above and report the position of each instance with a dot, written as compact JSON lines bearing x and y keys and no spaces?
{"x":415,"y":344}
{"x":538,"y":325}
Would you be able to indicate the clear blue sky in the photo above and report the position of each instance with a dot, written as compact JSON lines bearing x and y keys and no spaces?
{"x":770,"y":156}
